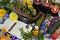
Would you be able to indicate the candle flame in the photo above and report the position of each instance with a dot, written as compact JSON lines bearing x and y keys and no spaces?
{"x":55,"y":9}
{"x":37,"y":0}
{"x":47,"y":1}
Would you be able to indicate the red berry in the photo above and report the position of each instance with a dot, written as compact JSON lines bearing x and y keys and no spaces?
{"x":54,"y":36}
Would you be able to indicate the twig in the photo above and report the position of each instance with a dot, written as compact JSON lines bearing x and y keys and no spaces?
{"x":12,"y":26}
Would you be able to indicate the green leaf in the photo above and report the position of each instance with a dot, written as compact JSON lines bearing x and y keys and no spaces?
{"x":38,"y":23}
{"x":26,"y":35}
{"x":4,"y":2}
{"x":54,"y":2}
{"x":54,"y":27}
{"x":40,"y":36}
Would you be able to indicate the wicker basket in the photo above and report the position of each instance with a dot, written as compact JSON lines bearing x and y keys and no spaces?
{"x":28,"y":20}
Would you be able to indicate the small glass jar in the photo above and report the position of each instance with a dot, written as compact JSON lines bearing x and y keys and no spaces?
{"x":37,"y":4}
{"x":54,"y":10}
{"x":46,"y":6}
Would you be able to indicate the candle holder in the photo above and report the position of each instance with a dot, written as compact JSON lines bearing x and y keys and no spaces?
{"x":37,"y":4}
{"x":43,"y":6}
{"x":54,"y":10}
{"x":46,"y":6}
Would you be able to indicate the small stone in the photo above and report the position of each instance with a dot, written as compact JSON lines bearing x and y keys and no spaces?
{"x":33,"y":24}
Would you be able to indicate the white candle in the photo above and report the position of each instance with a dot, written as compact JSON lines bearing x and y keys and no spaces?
{"x":47,"y":1}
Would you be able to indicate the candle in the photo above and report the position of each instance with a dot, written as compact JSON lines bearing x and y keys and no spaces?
{"x":47,"y":1}
{"x":46,"y":8}
{"x":55,"y":9}
{"x":37,"y":0}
